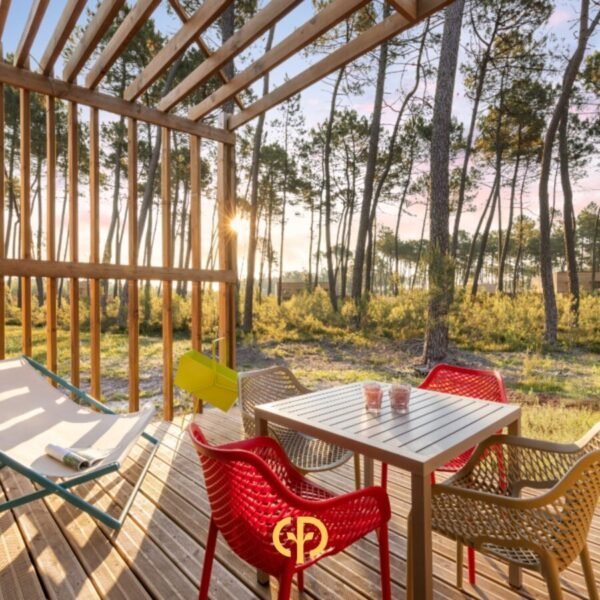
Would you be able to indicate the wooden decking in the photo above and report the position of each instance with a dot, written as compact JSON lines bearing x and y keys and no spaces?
{"x":48,"y":549}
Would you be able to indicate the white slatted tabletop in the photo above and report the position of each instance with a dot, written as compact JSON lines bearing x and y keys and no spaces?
{"x":436,"y":428}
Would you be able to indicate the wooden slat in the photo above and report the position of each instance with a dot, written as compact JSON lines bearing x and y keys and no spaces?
{"x":98,"y":26}
{"x":196,"y":243}
{"x":41,"y":84}
{"x":60,"y":571}
{"x":365,"y":42}
{"x":64,"y":27}
{"x":227,"y":249}
{"x":184,"y":17}
{"x":176,"y":46}
{"x":129,"y":27}
{"x":324,"y":20}
{"x":25,"y":224}
{"x":44,"y":268}
{"x":18,"y":578}
{"x":95,"y":319}
{"x":51,"y":289}
{"x":2,"y":204}
{"x":73,"y":183}
{"x":34,"y":20}
{"x":240,"y":40}
{"x":408,"y":8}
{"x":4,"y":8}
{"x":132,"y":284}
{"x":167,"y":291}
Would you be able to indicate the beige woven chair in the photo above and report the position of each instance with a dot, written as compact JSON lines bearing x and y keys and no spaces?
{"x":546,"y":532}
{"x":305,"y":452}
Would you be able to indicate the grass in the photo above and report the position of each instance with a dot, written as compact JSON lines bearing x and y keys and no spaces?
{"x":559,"y":389}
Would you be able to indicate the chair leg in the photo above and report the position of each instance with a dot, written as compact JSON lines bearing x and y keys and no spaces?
{"x":471,"y":563}
{"x":384,"y":475}
{"x":357,"y":470}
{"x":300,"y":581}
{"x":209,"y":554}
{"x":432,"y":478}
{"x":459,"y":564}
{"x":285,"y":584}
{"x":552,"y":576}
{"x":588,"y":572}
{"x":384,"y":562}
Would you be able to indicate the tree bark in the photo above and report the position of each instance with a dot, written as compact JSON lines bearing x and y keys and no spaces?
{"x":365,"y":222}
{"x":571,"y":71}
{"x":253,"y":235}
{"x":441,"y":271}
{"x":568,"y":215}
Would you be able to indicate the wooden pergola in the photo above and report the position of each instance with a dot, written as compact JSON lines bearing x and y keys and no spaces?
{"x":76,"y":90}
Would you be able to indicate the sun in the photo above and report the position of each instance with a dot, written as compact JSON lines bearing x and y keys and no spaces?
{"x":236,"y":224}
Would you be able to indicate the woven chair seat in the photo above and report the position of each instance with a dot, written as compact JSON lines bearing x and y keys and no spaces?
{"x":277,"y":383}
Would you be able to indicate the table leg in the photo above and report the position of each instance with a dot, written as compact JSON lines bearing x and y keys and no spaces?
{"x":261,"y":427}
{"x":369,"y":471}
{"x":421,"y":576}
{"x":515,"y":575}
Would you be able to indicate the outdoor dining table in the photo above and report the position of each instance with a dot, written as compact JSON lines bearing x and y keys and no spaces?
{"x":436,"y":428}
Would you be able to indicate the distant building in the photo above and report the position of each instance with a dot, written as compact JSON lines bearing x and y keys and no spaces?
{"x":561,"y":281}
{"x":292,"y":288}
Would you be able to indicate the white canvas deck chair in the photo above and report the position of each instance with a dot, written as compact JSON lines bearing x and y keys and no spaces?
{"x":35,"y":413}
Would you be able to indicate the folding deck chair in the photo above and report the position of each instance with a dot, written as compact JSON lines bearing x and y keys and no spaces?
{"x":35,"y":413}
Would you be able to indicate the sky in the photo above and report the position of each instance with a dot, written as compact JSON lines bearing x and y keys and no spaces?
{"x":315,"y":103}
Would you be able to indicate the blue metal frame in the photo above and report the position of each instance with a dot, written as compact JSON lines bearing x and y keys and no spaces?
{"x":62,"y":489}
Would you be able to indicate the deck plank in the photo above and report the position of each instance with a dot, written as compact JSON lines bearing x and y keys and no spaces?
{"x":50,"y":547}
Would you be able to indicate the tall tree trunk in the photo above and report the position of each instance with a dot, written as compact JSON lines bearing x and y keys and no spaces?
{"x":511,"y":212}
{"x":568,"y":215}
{"x":327,"y":189}
{"x":420,"y":250}
{"x":484,"y":240}
{"x":365,"y":221}
{"x":254,"y":175}
{"x":441,"y":271}
{"x":571,"y":71}
{"x":595,"y":249}
{"x":520,"y":244}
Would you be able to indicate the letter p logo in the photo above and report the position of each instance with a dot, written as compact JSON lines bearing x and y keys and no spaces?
{"x":300,"y":537}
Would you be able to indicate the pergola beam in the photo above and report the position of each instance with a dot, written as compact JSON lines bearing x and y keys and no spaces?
{"x":127,"y":30}
{"x":41,"y":84}
{"x":240,"y":40}
{"x":176,"y":46}
{"x":407,"y":8}
{"x":64,"y":28}
{"x":34,"y":20}
{"x":4,"y":8}
{"x":184,"y":17}
{"x":357,"y":47}
{"x":323,"y":21}
{"x":102,"y":20}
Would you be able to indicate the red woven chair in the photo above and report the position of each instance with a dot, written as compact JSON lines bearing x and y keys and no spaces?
{"x":472,"y":383}
{"x":252,"y":486}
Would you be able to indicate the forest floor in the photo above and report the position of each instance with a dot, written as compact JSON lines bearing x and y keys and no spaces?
{"x":559,"y":391}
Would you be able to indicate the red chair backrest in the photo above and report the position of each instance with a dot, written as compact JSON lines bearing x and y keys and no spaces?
{"x":463,"y":381}
{"x":247,"y":498}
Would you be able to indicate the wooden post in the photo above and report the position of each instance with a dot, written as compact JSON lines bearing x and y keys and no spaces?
{"x":73,"y":176}
{"x":25,"y":111}
{"x":167,"y":316}
{"x":227,"y":249}
{"x":2,"y":196}
{"x":95,"y":322}
{"x":195,"y":233}
{"x":51,"y":339}
{"x":132,"y":284}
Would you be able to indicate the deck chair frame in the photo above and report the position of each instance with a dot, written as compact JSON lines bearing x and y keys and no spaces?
{"x":48,"y":486}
